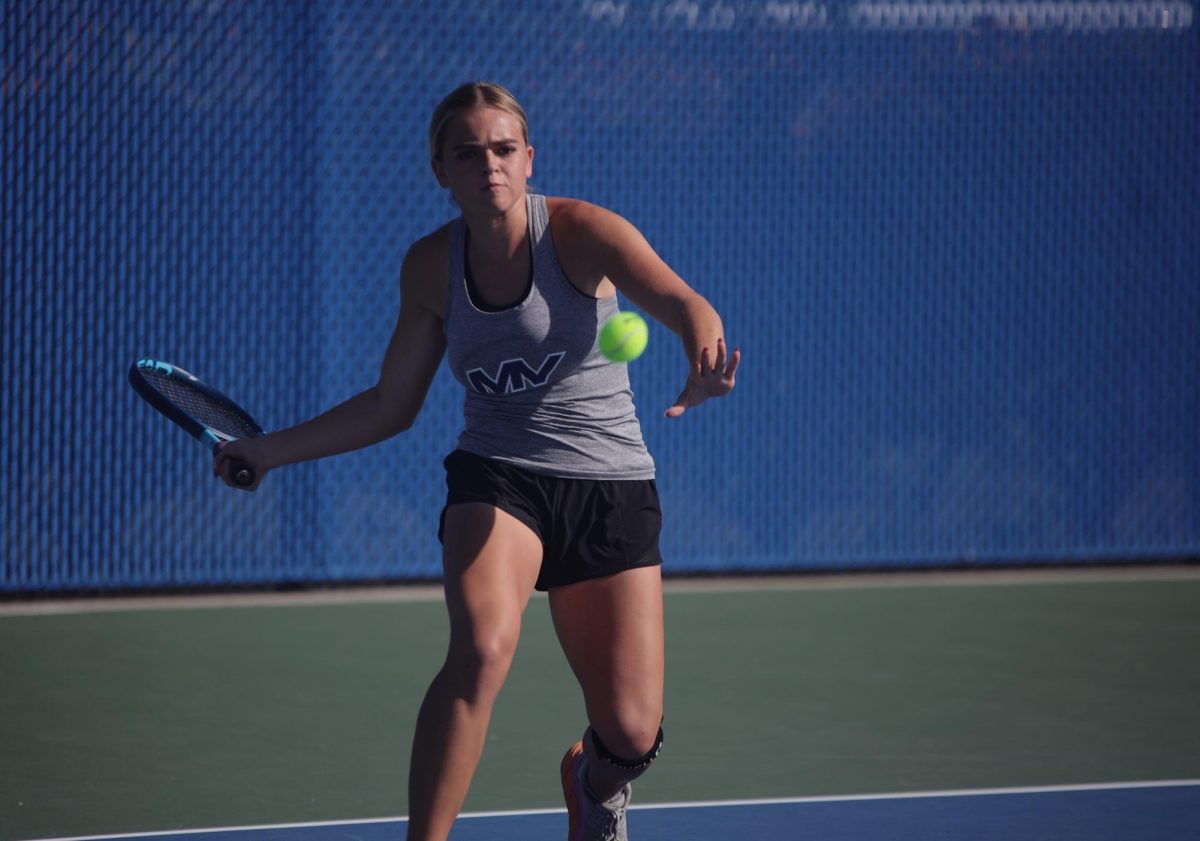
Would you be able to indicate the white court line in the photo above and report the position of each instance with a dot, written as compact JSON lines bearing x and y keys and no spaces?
{"x":917,"y":795}
{"x":705,"y":804}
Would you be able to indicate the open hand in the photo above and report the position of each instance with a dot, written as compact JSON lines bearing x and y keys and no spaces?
{"x":710,"y":377}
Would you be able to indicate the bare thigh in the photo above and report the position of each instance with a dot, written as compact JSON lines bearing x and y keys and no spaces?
{"x":611,"y":630}
{"x":491,"y":562}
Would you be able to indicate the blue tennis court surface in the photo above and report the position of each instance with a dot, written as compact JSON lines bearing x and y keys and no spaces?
{"x":1161,"y":811}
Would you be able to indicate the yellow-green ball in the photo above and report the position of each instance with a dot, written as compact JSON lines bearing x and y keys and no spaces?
{"x":623,"y":337}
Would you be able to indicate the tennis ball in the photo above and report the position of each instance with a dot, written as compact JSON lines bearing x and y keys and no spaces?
{"x":623,"y":337}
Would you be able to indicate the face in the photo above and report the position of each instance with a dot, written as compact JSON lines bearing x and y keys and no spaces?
{"x":485,"y":160}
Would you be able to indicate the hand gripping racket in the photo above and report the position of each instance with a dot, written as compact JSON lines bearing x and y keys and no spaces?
{"x":204,"y":413}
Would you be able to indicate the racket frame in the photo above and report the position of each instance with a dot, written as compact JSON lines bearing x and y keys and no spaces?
{"x":241,"y":473}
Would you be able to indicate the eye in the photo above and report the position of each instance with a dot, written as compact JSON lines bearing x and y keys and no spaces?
{"x":505,"y":151}
{"x":465,"y":154}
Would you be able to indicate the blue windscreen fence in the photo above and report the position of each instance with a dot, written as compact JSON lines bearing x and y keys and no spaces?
{"x":957,"y":243}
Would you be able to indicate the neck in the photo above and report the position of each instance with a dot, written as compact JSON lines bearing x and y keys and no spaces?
{"x":499,"y":235}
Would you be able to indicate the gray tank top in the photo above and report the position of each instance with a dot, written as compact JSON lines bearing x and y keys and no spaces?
{"x":540,"y":395}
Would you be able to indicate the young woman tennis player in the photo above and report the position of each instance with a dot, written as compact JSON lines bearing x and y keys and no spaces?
{"x":551,"y":487}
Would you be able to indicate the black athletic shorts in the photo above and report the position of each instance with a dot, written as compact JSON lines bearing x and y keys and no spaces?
{"x":589,"y":528}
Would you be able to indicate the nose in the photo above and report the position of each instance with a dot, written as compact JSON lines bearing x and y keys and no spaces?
{"x":491,"y":161}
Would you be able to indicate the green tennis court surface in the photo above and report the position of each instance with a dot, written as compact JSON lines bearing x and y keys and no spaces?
{"x":165,"y":720}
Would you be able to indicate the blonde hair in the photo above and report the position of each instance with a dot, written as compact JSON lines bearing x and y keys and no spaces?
{"x":464,"y":98}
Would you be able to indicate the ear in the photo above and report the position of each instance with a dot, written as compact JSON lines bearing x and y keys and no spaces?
{"x":529,"y":163}
{"x":439,"y":172}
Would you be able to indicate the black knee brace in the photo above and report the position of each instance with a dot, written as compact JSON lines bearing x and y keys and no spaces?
{"x":640,"y":764}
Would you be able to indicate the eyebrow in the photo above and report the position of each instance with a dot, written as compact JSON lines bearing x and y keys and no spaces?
{"x":473,"y":145}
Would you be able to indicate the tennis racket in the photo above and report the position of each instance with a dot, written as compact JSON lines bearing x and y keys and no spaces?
{"x":203,"y":412}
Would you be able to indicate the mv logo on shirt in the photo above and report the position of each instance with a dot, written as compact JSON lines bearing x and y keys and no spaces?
{"x":514,"y":375}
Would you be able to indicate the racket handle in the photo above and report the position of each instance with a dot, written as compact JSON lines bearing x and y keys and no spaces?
{"x":241,"y":473}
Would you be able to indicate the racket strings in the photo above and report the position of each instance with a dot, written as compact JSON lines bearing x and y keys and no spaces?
{"x":215,"y":413}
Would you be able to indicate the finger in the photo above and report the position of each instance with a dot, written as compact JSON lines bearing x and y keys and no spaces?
{"x":681,"y":403}
{"x":736,"y":359}
{"x":223,"y":466}
{"x":705,"y":364}
{"x":719,"y":365}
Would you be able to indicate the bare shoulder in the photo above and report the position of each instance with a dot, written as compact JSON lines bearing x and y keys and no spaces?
{"x":588,"y":237}
{"x":423,"y":273}
{"x":601,"y":250}
{"x":581,"y":220}
{"x":574,"y":210}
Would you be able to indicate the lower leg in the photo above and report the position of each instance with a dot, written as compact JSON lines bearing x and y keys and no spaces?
{"x":447,"y":746}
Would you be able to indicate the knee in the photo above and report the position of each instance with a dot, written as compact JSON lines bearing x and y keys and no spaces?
{"x":479,"y":665}
{"x":632,"y":730}
{"x":629,"y":759}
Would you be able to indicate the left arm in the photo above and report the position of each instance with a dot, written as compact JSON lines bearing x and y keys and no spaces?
{"x":602,"y":245}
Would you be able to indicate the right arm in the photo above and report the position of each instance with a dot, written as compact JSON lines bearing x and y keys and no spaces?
{"x":385,"y":409}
